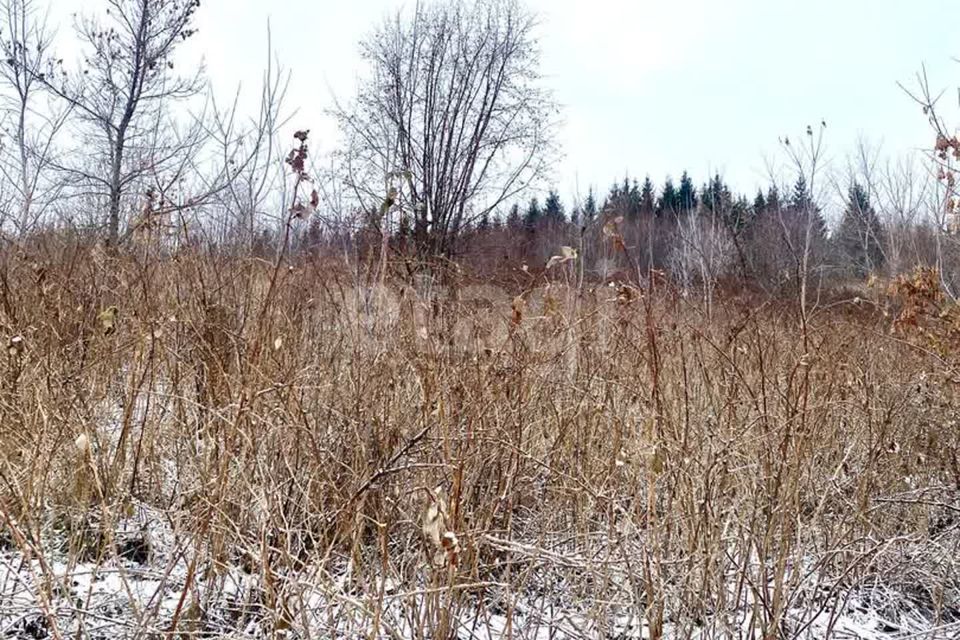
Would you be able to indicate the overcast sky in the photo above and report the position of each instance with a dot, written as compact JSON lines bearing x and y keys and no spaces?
{"x":646,"y":86}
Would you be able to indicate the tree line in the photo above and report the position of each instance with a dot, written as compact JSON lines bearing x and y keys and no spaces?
{"x":445,"y":145}
{"x":703,"y":232}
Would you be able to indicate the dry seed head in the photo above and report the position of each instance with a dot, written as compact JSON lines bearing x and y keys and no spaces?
{"x":83,"y":444}
{"x":15,"y":346}
{"x":433,"y":521}
{"x":517,"y":306}
{"x":434,"y":526}
{"x":108,"y":320}
{"x":451,"y":546}
{"x":566,"y":255}
{"x":610,"y":227}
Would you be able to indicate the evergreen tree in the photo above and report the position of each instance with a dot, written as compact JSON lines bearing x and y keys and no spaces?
{"x":633,"y":201}
{"x":553,"y":208}
{"x":484,"y":223}
{"x":612,"y":201}
{"x":860,"y":231}
{"x":589,"y":207}
{"x":624,"y":199}
{"x":801,"y":199}
{"x":716,"y":196}
{"x":773,"y":198}
{"x":648,"y":204}
{"x":803,"y":207}
{"x":738,"y":215}
{"x":759,"y":203}
{"x":533,"y":216}
{"x":687,"y":193}
{"x":669,"y":201}
{"x":514,"y":221}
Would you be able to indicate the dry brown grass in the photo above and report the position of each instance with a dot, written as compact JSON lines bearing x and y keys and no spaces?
{"x":606,"y":451}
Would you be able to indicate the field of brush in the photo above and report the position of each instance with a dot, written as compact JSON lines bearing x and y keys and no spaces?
{"x":201,"y":445}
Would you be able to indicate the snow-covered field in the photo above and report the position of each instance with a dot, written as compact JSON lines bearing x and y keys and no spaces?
{"x":366,"y":482}
{"x":154,"y":586}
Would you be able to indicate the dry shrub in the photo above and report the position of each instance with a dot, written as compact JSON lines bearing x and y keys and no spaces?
{"x":613,"y":450}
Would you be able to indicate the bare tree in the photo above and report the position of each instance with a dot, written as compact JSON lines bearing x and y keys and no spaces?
{"x":451,"y":121}
{"x":904,"y":190}
{"x":33,"y":123}
{"x":122,"y":93}
{"x":944,"y":161}
{"x":704,"y":252}
{"x":250,"y":153}
{"x":801,"y":226}
{"x":860,"y":238}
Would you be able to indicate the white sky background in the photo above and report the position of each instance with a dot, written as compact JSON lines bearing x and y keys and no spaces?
{"x":650,"y":86}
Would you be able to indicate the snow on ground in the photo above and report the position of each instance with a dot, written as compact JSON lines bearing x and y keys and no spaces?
{"x":140,"y":593}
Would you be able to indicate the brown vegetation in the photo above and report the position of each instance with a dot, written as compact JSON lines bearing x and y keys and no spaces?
{"x":653,"y":459}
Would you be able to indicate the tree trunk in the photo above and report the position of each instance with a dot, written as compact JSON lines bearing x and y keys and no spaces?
{"x":113,"y":219}
{"x":116,"y":176}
